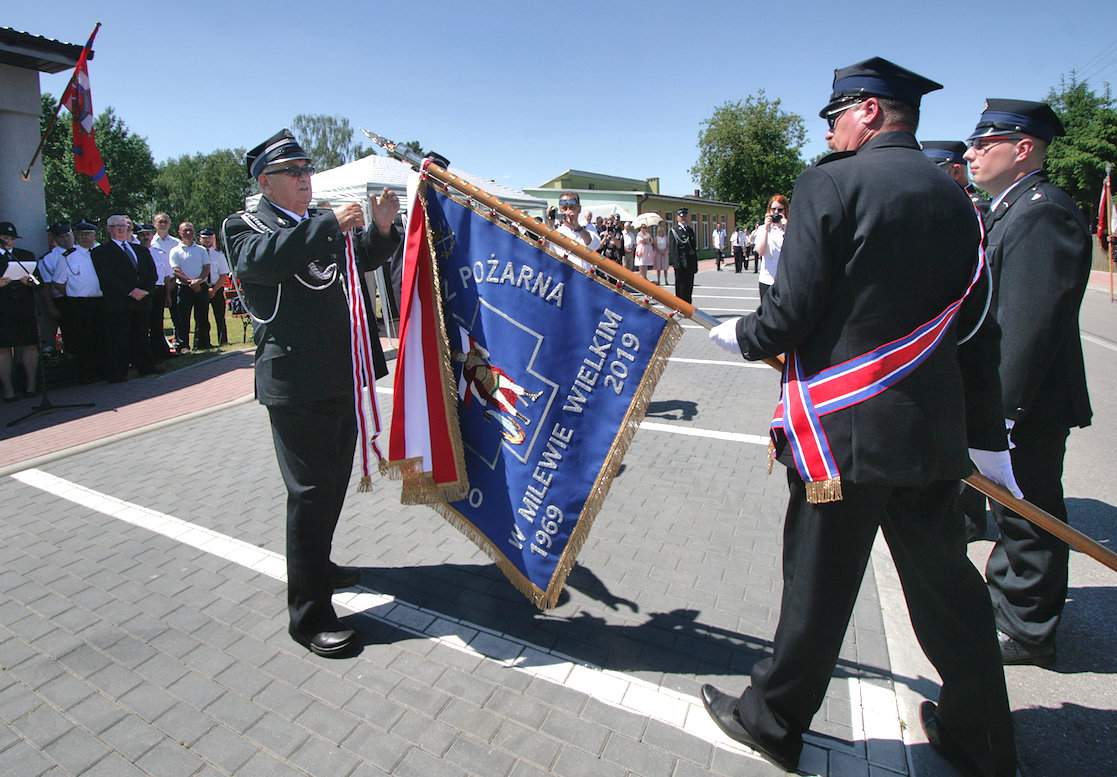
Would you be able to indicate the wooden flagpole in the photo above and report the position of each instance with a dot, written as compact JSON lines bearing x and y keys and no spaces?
{"x":1027,"y":510}
{"x":26,"y":174}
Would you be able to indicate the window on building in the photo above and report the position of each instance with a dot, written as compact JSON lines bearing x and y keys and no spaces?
{"x":705,"y":230}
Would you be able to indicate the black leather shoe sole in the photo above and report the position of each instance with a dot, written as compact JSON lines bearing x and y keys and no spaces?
{"x":951,"y":751}
{"x":723,"y":709}
{"x":328,"y":644}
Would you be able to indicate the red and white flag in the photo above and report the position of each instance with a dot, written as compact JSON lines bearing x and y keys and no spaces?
{"x":79,"y":101}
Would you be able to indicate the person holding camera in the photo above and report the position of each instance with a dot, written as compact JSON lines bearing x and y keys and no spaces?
{"x":769,"y":242}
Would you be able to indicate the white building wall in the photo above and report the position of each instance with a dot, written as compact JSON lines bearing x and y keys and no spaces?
{"x":21,"y":202}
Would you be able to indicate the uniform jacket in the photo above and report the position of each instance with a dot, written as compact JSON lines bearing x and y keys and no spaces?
{"x":682,"y":248}
{"x":1039,"y":250}
{"x":118,"y":277}
{"x":882,"y":242}
{"x":292,"y":276}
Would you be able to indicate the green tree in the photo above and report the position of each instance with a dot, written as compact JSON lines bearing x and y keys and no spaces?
{"x":128,"y":164}
{"x":748,"y":151}
{"x":203,"y":188}
{"x":1076,"y":161}
{"x":328,"y":139}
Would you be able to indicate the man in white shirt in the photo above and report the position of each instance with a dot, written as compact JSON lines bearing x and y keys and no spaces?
{"x":737,"y":241}
{"x":218,"y":279}
{"x":190,"y":264}
{"x":163,"y":239}
{"x":50,"y":313}
{"x":82,"y":323}
{"x":719,"y":244}
{"x":161,"y":295}
{"x":570,"y":206}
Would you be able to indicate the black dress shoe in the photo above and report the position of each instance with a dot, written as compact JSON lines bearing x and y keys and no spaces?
{"x":946,"y":747}
{"x":1015,"y":653}
{"x":329,"y":644}
{"x":723,"y":709}
{"x":344,"y":577}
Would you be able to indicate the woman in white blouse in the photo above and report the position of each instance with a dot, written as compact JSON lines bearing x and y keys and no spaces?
{"x":769,"y":241}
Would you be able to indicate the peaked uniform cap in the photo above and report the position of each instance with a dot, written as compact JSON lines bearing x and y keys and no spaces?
{"x":877,"y":77}
{"x":1005,"y":117}
{"x":942,"y":151}
{"x":280,"y":147}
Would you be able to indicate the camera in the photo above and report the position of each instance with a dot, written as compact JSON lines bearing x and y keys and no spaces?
{"x":777,"y":218}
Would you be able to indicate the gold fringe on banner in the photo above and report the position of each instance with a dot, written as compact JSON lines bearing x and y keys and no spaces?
{"x":823,"y":491}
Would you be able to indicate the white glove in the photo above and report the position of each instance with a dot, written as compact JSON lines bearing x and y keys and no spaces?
{"x":997,"y":466}
{"x":725,"y":335}
{"x":1009,"y":423}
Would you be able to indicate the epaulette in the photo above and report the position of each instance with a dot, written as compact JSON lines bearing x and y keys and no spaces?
{"x":254,"y":222}
{"x":833,"y":156}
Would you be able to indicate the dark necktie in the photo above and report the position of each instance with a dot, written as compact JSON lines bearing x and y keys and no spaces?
{"x":131,"y":254}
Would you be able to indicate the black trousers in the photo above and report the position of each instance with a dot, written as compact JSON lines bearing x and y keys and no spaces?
{"x":159,"y":348}
{"x":825,"y":551}
{"x":1027,"y":570}
{"x":127,"y":338}
{"x":718,"y":257}
{"x":738,"y":258}
{"x":763,"y":290}
{"x":217,"y":305}
{"x":83,"y":327}
{"x":684,"y":284}
{"x":193,"y":302}
{"x":314,"y":445}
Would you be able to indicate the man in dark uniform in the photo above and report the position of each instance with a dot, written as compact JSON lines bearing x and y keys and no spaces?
{"x":682,"y":254}
{"x":865,"y":263}
{"x":1039,"y":250}
{"x":289,"y":259}
{"x":949,"y":155}
{"x":127,"y":274}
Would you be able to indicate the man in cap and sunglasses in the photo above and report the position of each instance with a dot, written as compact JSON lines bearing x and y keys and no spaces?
{"x":869,"y":278}
{"x":288,"y":259}
{"x":1039,"y":248}
{"x":949,"y":155}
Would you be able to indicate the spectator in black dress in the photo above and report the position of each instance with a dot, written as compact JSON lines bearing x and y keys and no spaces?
{"x":19,"y":335}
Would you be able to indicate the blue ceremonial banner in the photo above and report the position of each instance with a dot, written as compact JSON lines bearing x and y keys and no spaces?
{"x":552,"y":369}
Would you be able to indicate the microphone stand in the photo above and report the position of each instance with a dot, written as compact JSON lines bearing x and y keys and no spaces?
{"x":45,"y":405}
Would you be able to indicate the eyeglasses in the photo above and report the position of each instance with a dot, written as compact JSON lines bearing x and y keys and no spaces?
{"x":293,"y":171}
{"x":775,"y":209}
{"x":569,"y":203}
{"x":187,"y":231}
{"x":832,"y":117}
{"x":981,"y":145}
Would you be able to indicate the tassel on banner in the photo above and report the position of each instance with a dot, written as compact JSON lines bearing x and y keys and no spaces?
{"x":823,"y":491}
{"x":365,"y":485}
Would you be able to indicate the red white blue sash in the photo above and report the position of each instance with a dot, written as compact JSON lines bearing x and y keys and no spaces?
{"x":364,"y":375}
{"x":805,"y":400}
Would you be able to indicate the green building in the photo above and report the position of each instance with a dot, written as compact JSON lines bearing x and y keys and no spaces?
{"x":604,"y":195}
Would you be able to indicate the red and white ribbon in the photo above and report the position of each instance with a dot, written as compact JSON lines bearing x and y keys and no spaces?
{"x":364,"y":374}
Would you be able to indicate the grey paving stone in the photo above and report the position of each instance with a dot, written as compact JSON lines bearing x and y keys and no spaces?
{"x":523,"y":769}
{"x":557,"y":695}
{"x":518,"y":707}
{"x":161,"y":669}
{"x":373,"y":708}
{"x":472,"y":719}
{"x":574,"y":762}
{"x":148,"y":701}
{"x":24,"y":760}
{"x":377,"y":747}
{"x":235,"y":711}
{"x":420,"y":697}
{"x":37,"y":671}
{"x":480,"y":757}
{"x":76,"y":750}
{"x":640,"y":757}
{"x":132,"y":737}
{"x":734,"y":765}
{"x":223,"y":747}
{"x":364,"y":770}
{"x":418,"y":763}
{"x":527,"y":744}
{"x":174,"y":643}
{"x":115,"y":680}
{"x":42,"y":725}
{"x":328,"y":687}
{"x":196,"y":689}
{"x":184,"y":724}
{"x":65,"y":691}
{"x":115,"y":766}
{"x":327,"y":722}
{"x":416,"y":668}
{"x":264,"y":765}
{"x":432,"y":735}
{"x":96,"y":713}
{"x":277,"y":734}
{"x":206,"y":659}
{"x":167,"y":759}
{"x":283,"y":698}
{"x":678,"y":742}
{"x":465,"y":686}
{"x":585,"y":734}
{"x":317,"y":756}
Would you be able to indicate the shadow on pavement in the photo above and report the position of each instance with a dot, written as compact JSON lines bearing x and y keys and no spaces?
{"x":1069,"y":739}
{"x":673,"y":410}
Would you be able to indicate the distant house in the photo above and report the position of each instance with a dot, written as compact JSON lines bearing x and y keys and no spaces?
{"x":604,"y":195}
{"x":22,"y":57}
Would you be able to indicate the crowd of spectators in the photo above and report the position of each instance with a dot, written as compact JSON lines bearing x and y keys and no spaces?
{"x":98,"y":298}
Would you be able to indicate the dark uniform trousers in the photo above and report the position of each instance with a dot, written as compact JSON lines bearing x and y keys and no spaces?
{"x":738,"y":258}
{"x":825,"y":550}
{"x":159,"y":348}
{"x":83,"y":326}
{"x":193,"y":302}
{"x":127,"y":338}
{"x":314,"y":445}
{"x":684,"y":284}
{"x":217,"y":305}
{"x":1027,"y":570}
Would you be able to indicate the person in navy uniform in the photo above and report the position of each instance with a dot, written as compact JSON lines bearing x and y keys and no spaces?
{"x":949,"y":155}
{"x":127,"y":274}
{"x":1038,"y":244}
{"x":866,"y":261}
{"x":682,"y":254}
{"x":289,"y":261}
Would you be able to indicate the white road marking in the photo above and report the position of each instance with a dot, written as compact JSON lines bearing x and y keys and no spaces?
{"x":1099,"y":342}
{"x":740,"y":363}
{"x":714,"y":296}
{"x":617,"y":689}
{"x":712,"y":434}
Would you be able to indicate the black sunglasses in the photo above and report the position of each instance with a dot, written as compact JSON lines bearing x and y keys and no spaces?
{"x":833,"y":116}
{"x":569,"y":203}
{"x":293,"y":171}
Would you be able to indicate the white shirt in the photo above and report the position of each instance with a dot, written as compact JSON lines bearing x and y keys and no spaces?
{"x":163,"y":269}
{"x":719,"y":239}
{"x":771,"y":256}
{"x":595,"y":243}
{"x":997,"y":200}
{"x":218,"y":265}
{"x":189,"y":258}
{"x":165,"y":244}
{"x":48,"y":265}
{"x":78,"y":273}
{"x":738,"y":238}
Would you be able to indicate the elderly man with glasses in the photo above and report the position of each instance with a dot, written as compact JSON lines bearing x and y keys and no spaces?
{"x":878,"y":408}
{"x":1039,"y":250}
{"x":289,"y":260}
{"x":127,"y":274}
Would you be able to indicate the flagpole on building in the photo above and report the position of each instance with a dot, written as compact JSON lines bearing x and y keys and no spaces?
{"x":26,"y":174}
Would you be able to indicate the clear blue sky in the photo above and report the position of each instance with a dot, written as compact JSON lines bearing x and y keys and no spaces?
{"x":520,"y":91}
